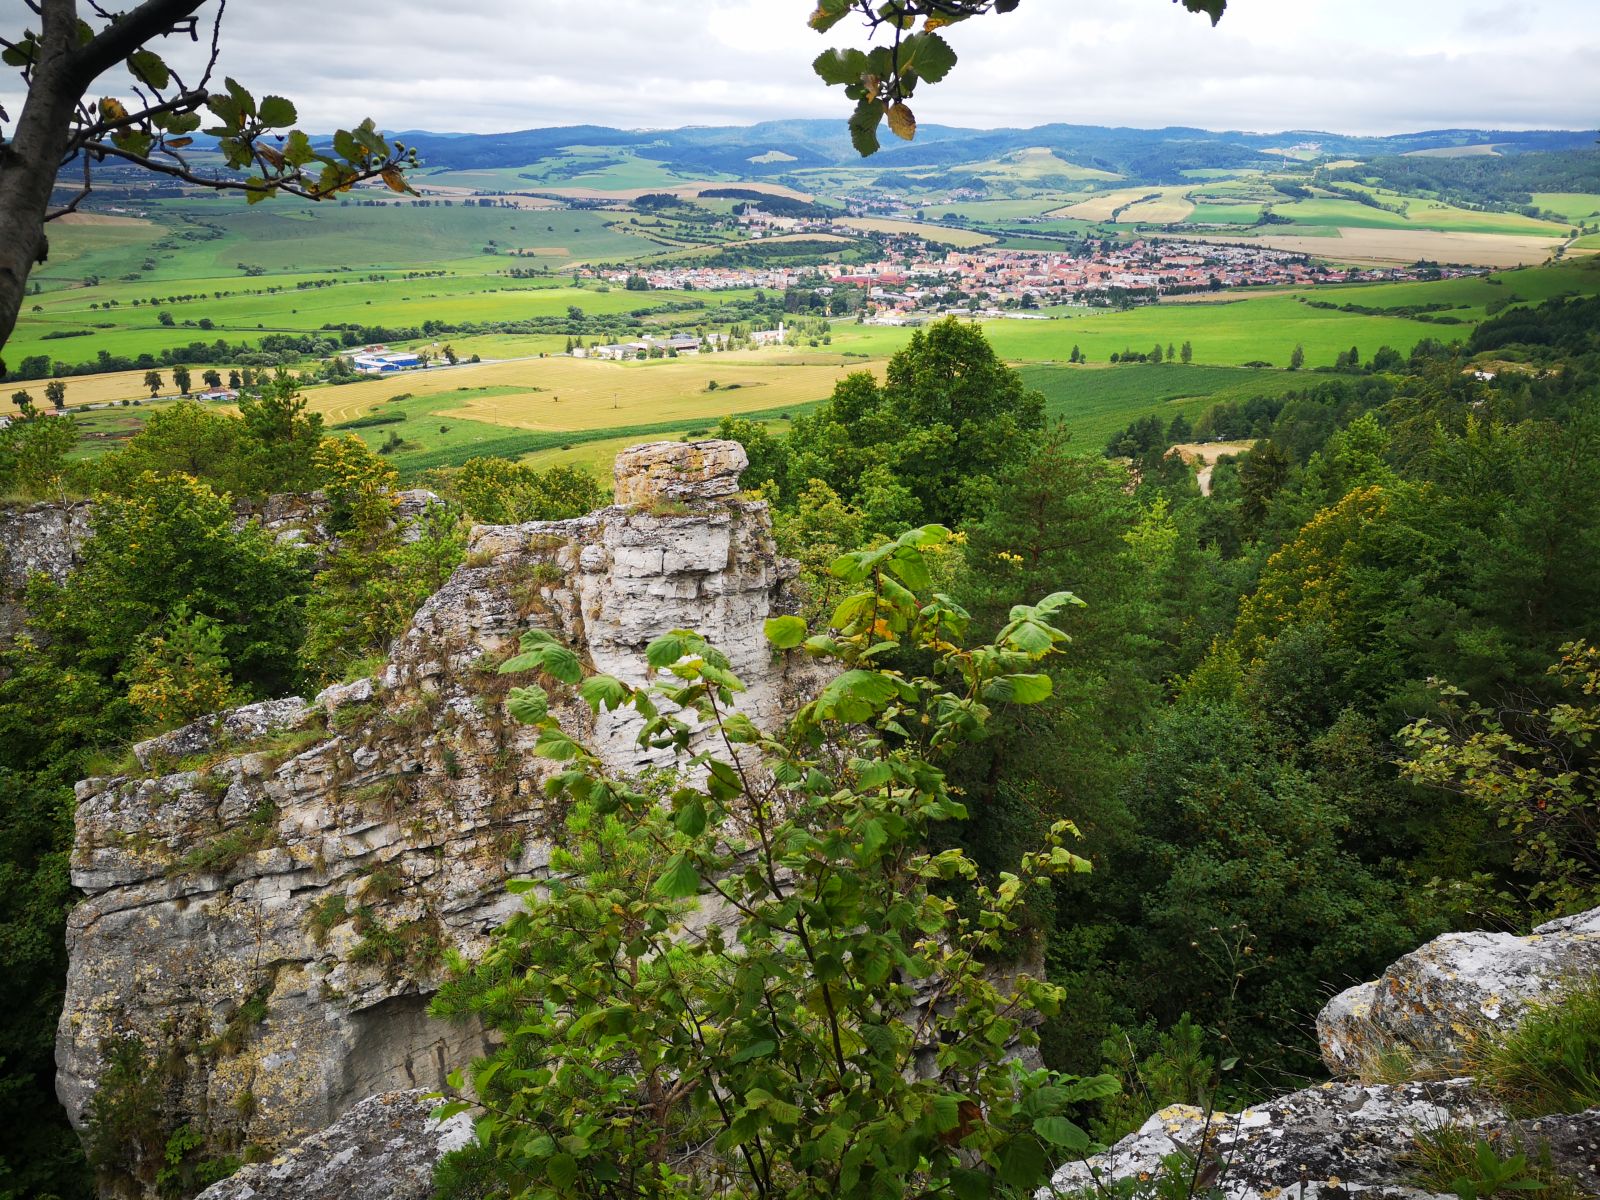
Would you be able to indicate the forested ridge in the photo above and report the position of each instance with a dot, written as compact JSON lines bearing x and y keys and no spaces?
{"x":1264,"y":723}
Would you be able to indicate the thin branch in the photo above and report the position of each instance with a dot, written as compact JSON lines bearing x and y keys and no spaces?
{"x":83,"y":194}
{"x":129,"y":31}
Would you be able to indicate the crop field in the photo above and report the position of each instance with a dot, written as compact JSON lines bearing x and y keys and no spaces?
{"x":113,"y":387}
{"x":460,"y":411}
{"x":1170,"y":209}
{"x":1419,"y":214}
{"x":559,"y":409}
{"x":1401,"y":247}
{"x":67,"y":330}
{"x":1101,"y":205}
{"x":1264,"y":328}
{"x":1097,"y":402}
{"x":1224,"y":214}
{"x":950,"y":235}
{"x":1036,"y":165}
{"x":1573,"y":206}
{"x":992,"y":210}
{"x":576,"y":394}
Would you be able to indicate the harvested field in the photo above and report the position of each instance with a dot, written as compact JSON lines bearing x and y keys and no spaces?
{"x":1099,"y":207}
{"x":1399,"y":247}
{"x":933,"y":233}
{"x":574,"y":395}
{"x":1169,"y":210}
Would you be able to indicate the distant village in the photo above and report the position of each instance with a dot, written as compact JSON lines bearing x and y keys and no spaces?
{"x":921,"y":277}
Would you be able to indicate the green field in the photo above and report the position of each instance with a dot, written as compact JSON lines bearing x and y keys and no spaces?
{"x":1573,"y":206}
{"x":400,"y":266}
{"x":1225,"y":214}
{"x":1095,"y":403}
{"x":1419,"y":214}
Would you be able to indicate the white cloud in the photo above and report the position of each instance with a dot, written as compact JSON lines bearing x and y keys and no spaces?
{"x":1358,"y":66}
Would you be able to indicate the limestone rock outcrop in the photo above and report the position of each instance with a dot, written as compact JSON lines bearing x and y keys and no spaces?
{"x":1335,"y":1140}
{"x":1329,"y":1140}
{"x":1343,"y":1138}
{"x":385,"y":1148}
{"x":671,"y":471}
{"x":1429,"y":1006}
{"x":268,"y":902}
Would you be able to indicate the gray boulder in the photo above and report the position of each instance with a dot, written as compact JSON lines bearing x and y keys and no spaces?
{"x":1331,"y":1140}
{"x":1428,"y":1007}
{"x":385,"y":1148}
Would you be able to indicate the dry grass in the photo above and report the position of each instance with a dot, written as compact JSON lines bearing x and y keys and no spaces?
{"x":576,"y":394}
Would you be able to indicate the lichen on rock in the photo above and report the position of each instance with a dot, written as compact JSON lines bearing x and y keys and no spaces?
{"x":1429,"y":1006}
{"x":384,"y":1148}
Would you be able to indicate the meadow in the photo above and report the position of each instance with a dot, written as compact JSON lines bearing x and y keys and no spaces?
{"x":220,"y":271}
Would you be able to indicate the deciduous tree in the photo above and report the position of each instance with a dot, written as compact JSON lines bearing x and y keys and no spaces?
{"x":148,"y":121}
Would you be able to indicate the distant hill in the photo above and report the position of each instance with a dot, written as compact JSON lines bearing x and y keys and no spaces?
{"x":1140,"y":155}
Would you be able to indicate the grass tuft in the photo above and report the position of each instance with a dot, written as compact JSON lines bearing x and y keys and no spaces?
{"x":1550,"y":1063}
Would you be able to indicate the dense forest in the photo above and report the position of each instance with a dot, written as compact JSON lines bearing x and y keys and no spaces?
{"x":1488,"y":180}
{"x":1268,"y":723}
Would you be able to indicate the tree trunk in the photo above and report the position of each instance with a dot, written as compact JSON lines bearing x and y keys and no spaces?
{"x":30,"y":161}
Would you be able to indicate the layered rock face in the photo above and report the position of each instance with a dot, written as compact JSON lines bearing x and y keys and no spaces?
{"x":269,"y":902}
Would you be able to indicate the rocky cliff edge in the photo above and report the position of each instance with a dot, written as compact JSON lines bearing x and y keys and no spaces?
{"x":268,"y":898}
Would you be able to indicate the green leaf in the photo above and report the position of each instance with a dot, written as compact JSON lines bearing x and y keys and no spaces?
{"x":562,"y":1170}
{"x":856,"y":695}
{"x":1023,"y":1163}
{"x":1058,"y":1131}
{"x":552,"y":658}
{"x":968,"y":1184}
{"x":864,"y":127}
{"x":829,"y":13}
{"x":1212,"y":8}
{"x":245,"y":102}
{"x":1019,"y":689}
{"x":927,"y":56}
{"x":520,"y":662}
{"x":679,"y":880}
{"x":755,"y":1050}
{"x":665,"y":650}
{"x":277,"y":113}
{"x":786,"y":632}
{"x":603,"y":691}
{"x":530,"y":705}
{"x":556,"y":745}
{"x":835,"y":67}
{"x":691,"y":818}
{"x":147,"y":66}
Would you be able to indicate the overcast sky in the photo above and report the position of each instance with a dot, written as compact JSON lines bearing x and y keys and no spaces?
{"x":1354,"y":66}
